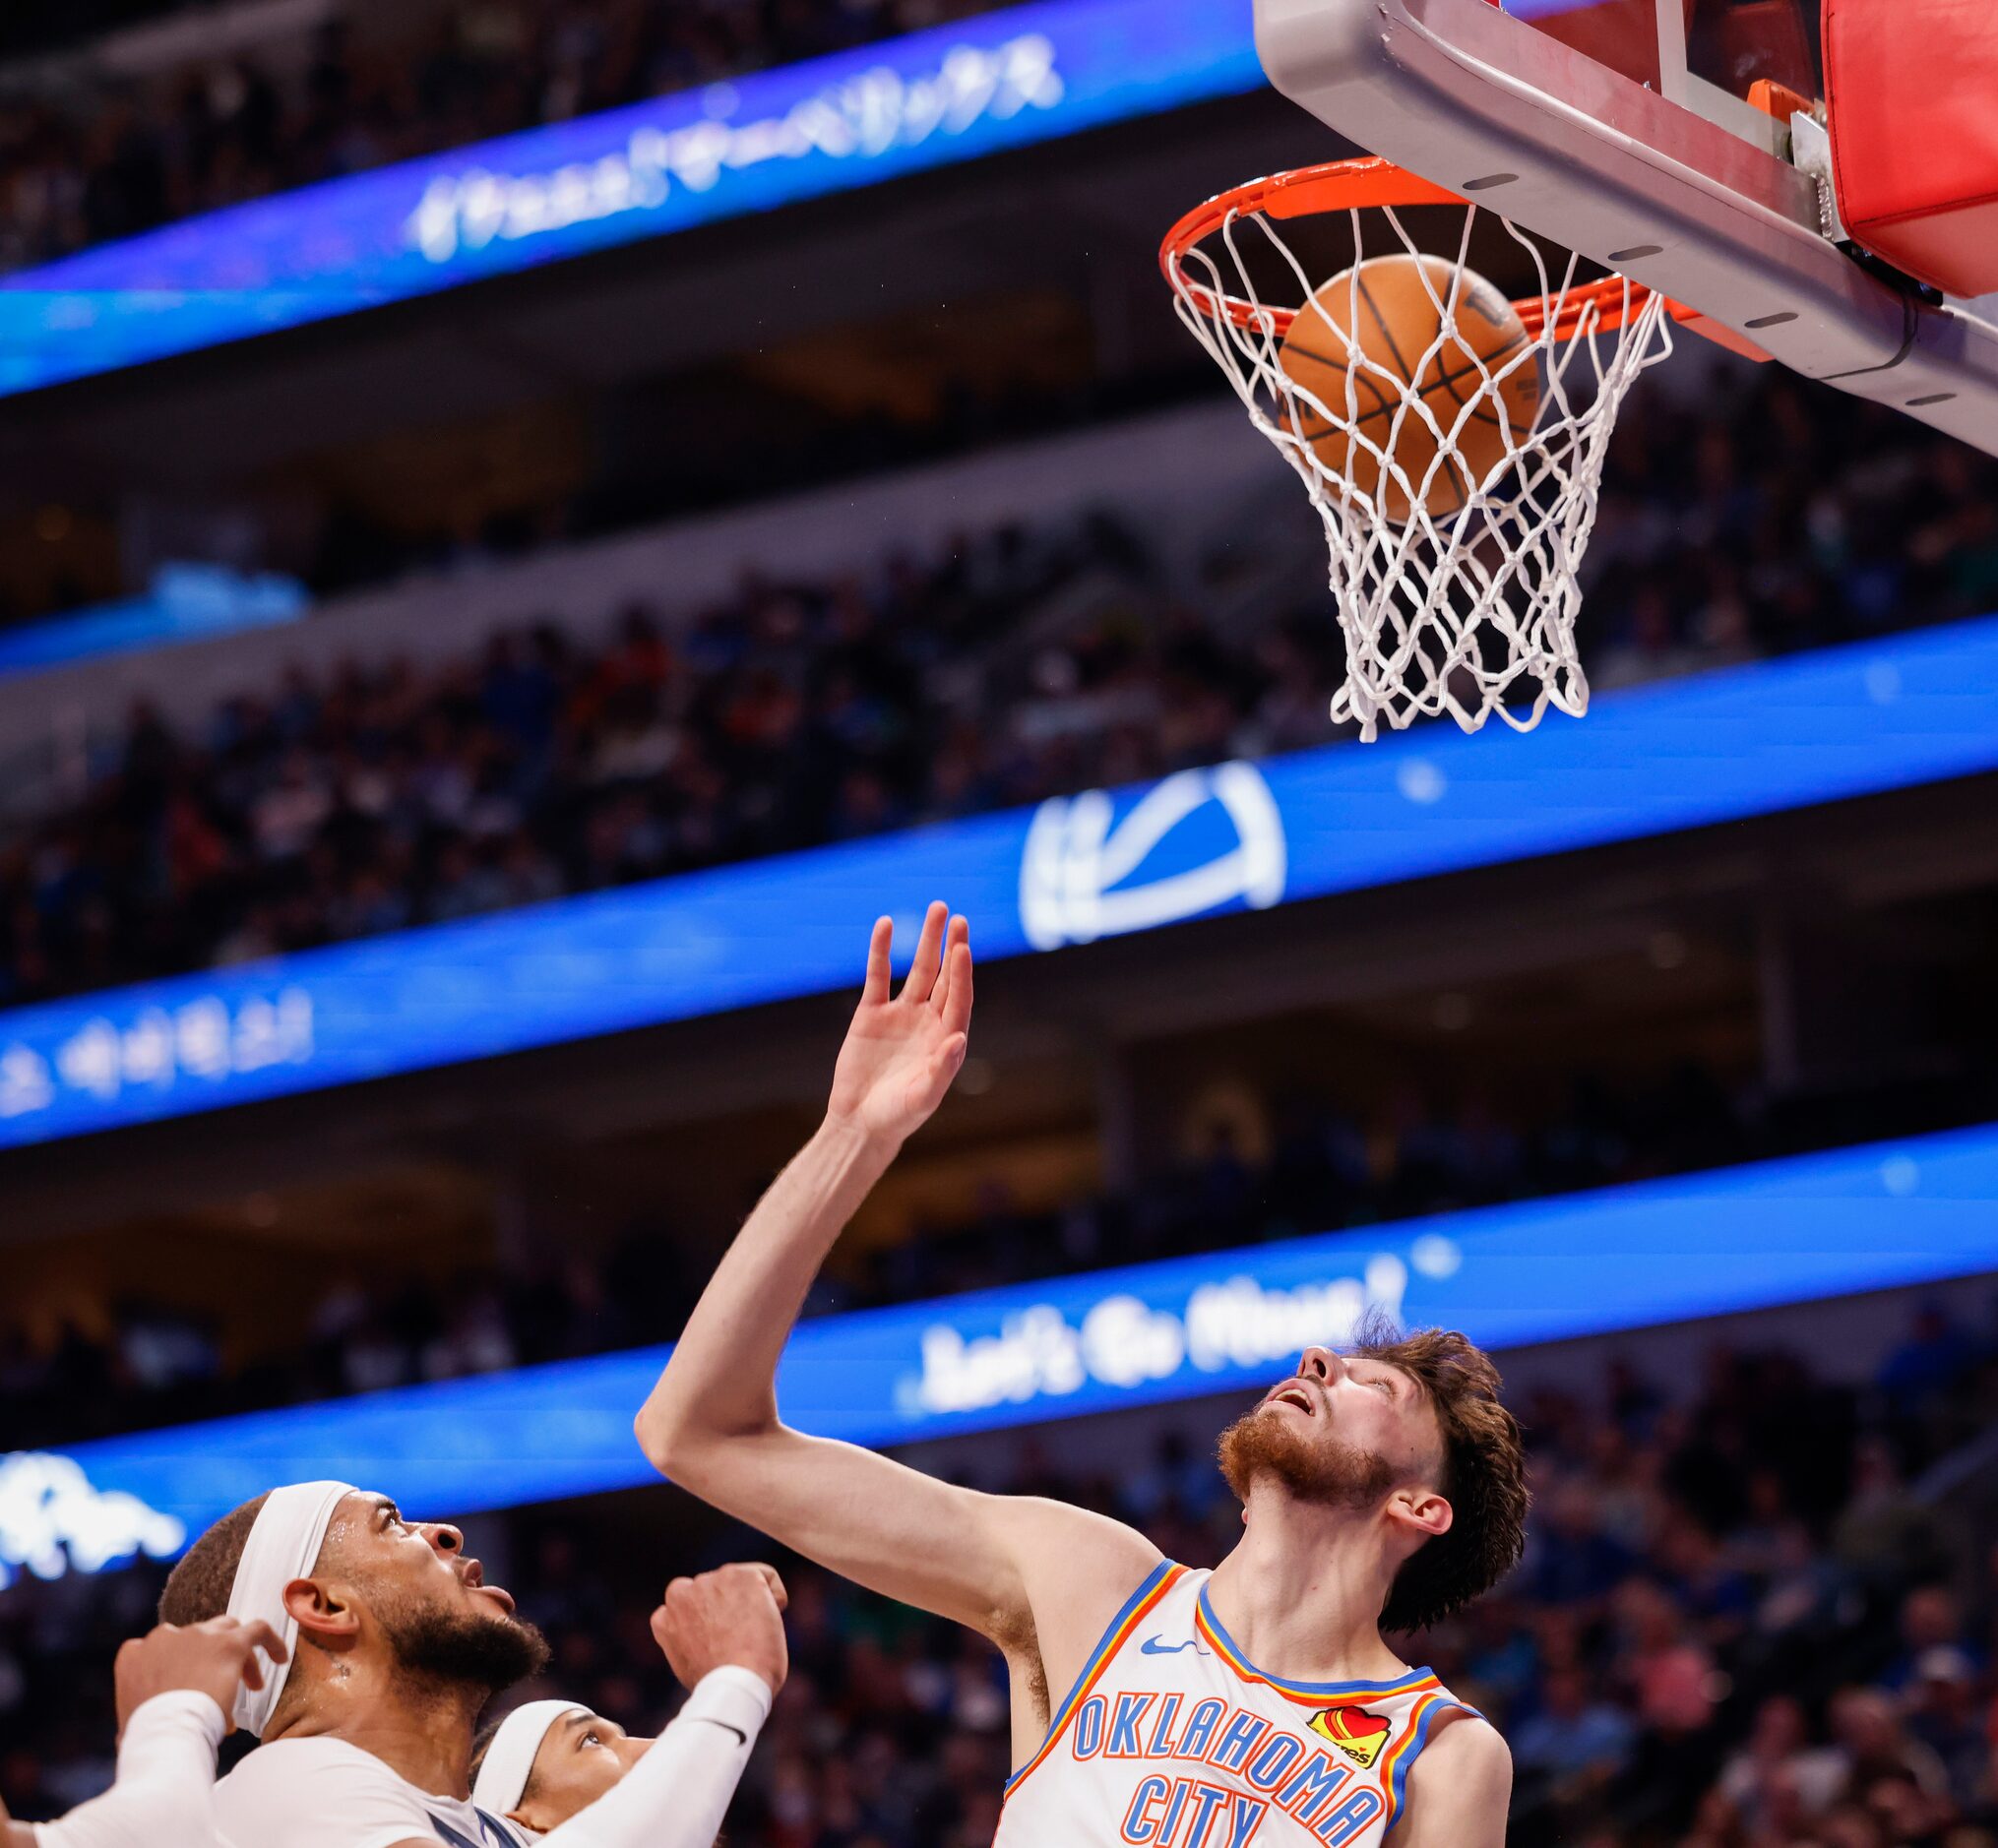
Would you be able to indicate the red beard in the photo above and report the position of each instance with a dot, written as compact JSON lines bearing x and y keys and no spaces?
{"x":1337,"y":1475}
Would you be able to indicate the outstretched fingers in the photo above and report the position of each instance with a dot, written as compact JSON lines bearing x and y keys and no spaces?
{"x":953,"y":998}
{"x":922,"y":972}
{"x":879,"y":946}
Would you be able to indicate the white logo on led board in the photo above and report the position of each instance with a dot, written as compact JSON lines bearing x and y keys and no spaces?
{"x":1125,"y":1342}
{"x":54,"y":1518}
{"x":1072,"y":877}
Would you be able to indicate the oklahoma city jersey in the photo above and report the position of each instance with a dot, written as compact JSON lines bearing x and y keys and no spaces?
{"x":1172,"y":1739}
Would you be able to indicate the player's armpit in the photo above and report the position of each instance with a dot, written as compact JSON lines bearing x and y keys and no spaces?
{"x":1458,"y":1789}
{"x":1077,"y":1569}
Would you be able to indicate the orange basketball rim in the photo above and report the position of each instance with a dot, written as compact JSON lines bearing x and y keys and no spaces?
{"x":1368,"y":182}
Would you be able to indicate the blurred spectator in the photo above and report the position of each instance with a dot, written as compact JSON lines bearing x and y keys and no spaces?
{"x":1667,"y":1670}
{"x":1884,"y":1534}
{"x":1941,"y":1711}
{"x":1777,"y":1781}
{"x":1575,"y":1742}
{"x":1929,"y":1363}
{"x":1876,"y":1748}
{"x":1931,"y":1628}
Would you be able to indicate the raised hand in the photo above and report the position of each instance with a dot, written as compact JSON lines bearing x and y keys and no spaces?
{"x":902,"y":1051}
{"x":732,"y":1614}
{"x":211,"y":1658}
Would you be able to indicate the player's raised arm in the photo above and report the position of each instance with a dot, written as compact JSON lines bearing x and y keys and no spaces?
{"x":1012,"y":1567}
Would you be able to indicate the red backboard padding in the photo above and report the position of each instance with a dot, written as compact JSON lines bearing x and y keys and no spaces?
{"x":1911,"y":90}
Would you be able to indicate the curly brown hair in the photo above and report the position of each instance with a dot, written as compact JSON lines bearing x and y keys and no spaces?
{"x":1484,"y":1474}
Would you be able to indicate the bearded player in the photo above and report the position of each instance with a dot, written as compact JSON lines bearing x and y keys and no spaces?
{"x":390,"y":1643}
{"x":1151,"y":1704}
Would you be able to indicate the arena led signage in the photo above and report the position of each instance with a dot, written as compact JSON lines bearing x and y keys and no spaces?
{"x":1906,"y":1212}
{"x":1815,"y":727}
{"x":1081,"y":875}
{"x":976,"y":87}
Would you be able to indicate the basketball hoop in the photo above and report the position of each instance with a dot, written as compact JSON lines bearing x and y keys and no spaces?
{"x":1467,"y":608}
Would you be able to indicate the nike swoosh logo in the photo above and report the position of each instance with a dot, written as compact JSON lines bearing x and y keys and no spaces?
{"x":741,"y":1738}
{"x":1153,"y":1645}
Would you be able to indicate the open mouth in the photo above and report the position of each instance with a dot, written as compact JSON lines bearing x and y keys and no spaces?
{"x":1295,"y":1395}
{"x":472,"y":1574}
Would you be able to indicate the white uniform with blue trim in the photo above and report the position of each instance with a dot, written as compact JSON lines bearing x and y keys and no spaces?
{"x":1172,"y":1739}
{"x":326,"y":1793}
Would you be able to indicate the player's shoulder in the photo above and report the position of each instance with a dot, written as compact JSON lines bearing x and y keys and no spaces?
{"x":319,"y":1793}
{"x":1465,"y":1767}
{"x":1076,"y":1552}
{"x":1098,"y":1541}
{"x":1471,"y":1739}
{"x":300,"y":1778}
{"x":282,"y":1759}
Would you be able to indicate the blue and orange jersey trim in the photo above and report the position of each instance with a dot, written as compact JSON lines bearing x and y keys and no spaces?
{"x":1303,"y":1692}
{"x":1395,"y":1774}
{"x":1162,"y":1577}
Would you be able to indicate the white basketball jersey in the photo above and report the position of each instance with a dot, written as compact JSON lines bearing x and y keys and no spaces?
{"x":1172,"y":1739}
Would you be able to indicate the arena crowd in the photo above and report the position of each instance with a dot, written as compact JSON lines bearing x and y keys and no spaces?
{"x":383,"y":796}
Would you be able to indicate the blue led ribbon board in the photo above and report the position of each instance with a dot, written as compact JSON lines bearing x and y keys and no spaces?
{"x":998,"y":81}
{"x":186,"y":602}
{"x":1865,"y":1218}
{"x":1818,"y":727}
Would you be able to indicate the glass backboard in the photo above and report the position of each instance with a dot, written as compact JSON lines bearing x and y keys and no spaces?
{"x":1697,"y":53}
{"x":1654,"y":136}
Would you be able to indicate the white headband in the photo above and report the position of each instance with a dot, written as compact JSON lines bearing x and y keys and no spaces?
{"x":509,"y":1760}
{"x":284,"y":1545}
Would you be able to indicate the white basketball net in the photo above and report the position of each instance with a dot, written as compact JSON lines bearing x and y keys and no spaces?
{"x":1470,"y":612}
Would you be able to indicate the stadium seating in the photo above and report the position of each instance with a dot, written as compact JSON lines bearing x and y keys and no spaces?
{"x":384,"y":794}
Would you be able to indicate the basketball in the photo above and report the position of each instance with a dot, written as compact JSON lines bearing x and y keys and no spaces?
{"x":1363,"y":371}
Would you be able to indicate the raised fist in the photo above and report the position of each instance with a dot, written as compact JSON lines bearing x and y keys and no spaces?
{"x":730,"y":1616}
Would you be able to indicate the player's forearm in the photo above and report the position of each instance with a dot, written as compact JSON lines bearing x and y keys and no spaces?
{"x":722,"y":1380}
{"x":678,"y":1794}
{"x":166,"y":1768}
